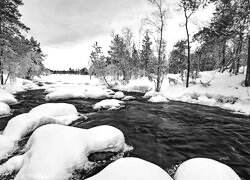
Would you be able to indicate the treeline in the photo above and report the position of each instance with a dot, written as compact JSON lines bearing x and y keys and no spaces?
{"x":223,"y":45}
{"x":83,"y":71}
{"x":19,"y":56}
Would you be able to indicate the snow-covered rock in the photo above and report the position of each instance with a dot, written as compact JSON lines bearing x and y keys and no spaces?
{"x":151,"y":94}
{"x":127,"y":98}
{"x":54,"y":152}
{"x":7,"y":97}
{"x":205,"y":169}
{"x":96,"y":92}
{"x":131,"y":169}
{"x":24,"y":124}
{"x":65,"y":94}
{"x":158,"y":99}
{"x":13,"y":164}
{"x":110,"y":104}
{"x":7,"y":146}
{"x":4,"y":109}
{"x":118,"y":95}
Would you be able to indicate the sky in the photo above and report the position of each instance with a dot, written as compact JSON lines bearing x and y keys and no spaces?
{"x":67,"y":29}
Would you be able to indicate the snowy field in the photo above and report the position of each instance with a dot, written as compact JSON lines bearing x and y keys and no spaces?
{"x":48,"y":154}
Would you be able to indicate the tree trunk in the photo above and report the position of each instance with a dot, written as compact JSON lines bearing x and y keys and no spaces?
{"x":247,"y":80}
{"x":239,"y":48}
{"x":159,"y":68}
{"x":223,"y":63}
{"x":188,"y":48}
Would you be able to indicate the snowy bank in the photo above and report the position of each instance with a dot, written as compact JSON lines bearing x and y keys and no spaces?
{"x":131,"y":169}
{"x":56,"y":152}
{"x":110,"y":104}
{"x":203,"y":168}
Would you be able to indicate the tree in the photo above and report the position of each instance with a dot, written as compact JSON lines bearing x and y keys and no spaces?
{"x":178,"y":58}
{"x":158,"y":21}
{"x":189,"y":7}
{"x":247,"y":80}
{"x":98,"y":63}
{"x":135,"y":61}
{"x":119,"y":56}
{"x":146,"y":54}
{"x":10,"y":27}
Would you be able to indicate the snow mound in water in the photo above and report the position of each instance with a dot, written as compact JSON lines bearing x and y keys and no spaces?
{"x":158,"y":99}
{"x":71,"y":91}
{"x":54,"y":151}
{"x":65,"y":94}
{"x":110,"y":104}
{"x":7,"y":97}
{"x":13,"y":164}
{"x":127,"y":98}
{"x":132,"y":169}
{"x":24,"y":124}
{"x":118,"y":95}
{"x":4,"y":109}
{"x":205,"y":169}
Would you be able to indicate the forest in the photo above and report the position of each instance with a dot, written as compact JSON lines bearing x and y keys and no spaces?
{"x":20,"y":55}
{"x":222,"y":45}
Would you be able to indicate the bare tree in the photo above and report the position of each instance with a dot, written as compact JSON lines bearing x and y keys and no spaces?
{"x":189,"y":8}
{"x":158,"y":21}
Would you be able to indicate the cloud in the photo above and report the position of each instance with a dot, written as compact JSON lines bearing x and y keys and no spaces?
{"x":68,"y":21}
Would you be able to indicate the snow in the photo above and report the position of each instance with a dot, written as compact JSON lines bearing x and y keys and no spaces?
{"x":131,"y":169}
{"x":137,"y":85}
{"x":13,"y":164}
{"x":4,"y":109}
{"x":205,"y":169}
{"x":54,"y":151}
{"x":158,"y":99}
{"x":24,"y":124}
{"x":223,"y":85}
{"x":127,"y":98}
{"x":118,"y":95}
{"x":110,"y":104}
{"x":77,"y":91}
{"x":6,"y":97}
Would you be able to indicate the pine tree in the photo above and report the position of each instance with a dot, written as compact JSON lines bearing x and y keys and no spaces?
{"x":10,"y":27}
{"x":135,"y":61}
{"x":119,"y":56}
{"x":146,"y":53}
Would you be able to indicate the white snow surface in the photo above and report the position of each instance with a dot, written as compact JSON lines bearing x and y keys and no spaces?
{"x":205,"y":169}
{"x":4,"y":109}
{"x":127,"y":98}
{"x":54,"y":151}
{"x":158,"y":99}
{"x":131,"y":169}
{"x":24,"y":124}
{"x":118,"y":95}
{"x":221,"y":84}
{"x":110,"y":104}
{"x":6,"y":97}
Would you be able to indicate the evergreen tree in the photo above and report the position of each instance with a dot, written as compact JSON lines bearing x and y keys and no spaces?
{"x":10,"y":27}
{"x":119,"y":56}
{"x":146,"y":53}
{"x":135,"y":61}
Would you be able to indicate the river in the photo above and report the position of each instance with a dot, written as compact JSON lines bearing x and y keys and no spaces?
{"x":165,"y":133}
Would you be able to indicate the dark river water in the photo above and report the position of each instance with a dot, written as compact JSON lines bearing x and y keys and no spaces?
{"x":165,"y":133}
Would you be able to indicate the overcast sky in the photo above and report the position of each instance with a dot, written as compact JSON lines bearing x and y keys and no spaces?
{"x":67,"y":29}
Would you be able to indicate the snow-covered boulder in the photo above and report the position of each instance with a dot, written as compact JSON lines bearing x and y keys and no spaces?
{"x":63,"y":112}
{"x":55,"y":152}
{"x":127,"y":98}
{"x":131,"y":169}
{"x":118,"y":95}
{"x":151,"y":94}
{"x":158,"y":99}
{"x":6,"y":146}
{"x":95,"y":92}
{"x":7,"y":97}
{"x":13,"y":164}
{"x":4,"y":109}
{"x":205,"y":169}
{"x":110,"y":104}
{"x":65,"y":94}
